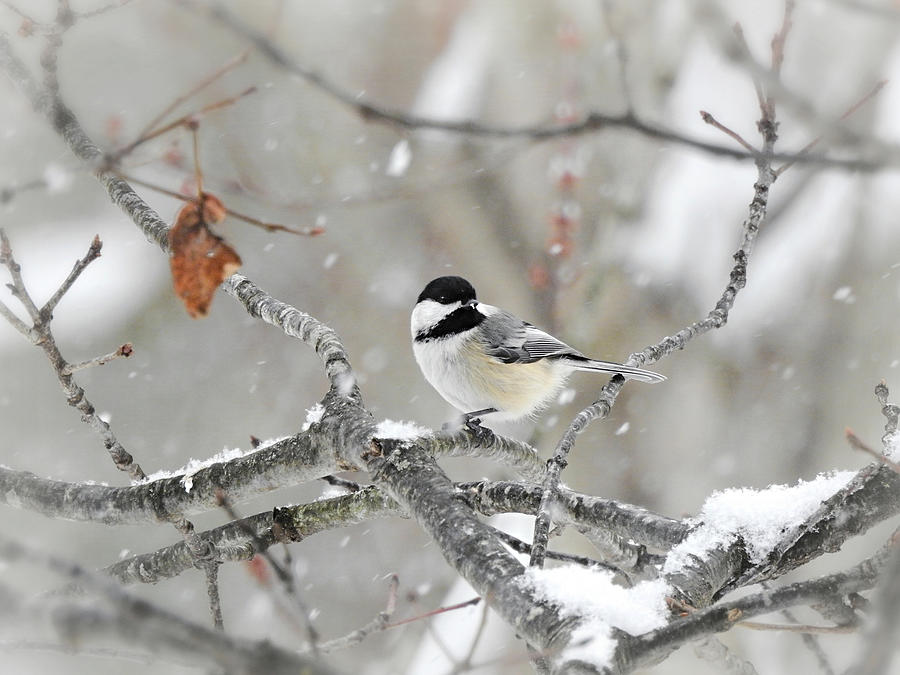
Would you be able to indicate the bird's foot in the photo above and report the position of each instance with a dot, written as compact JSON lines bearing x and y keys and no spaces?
{"x":472,"y":424}
{"x":481,"y":434}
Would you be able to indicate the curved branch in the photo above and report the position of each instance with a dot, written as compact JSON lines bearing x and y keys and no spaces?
{"x":594,"y":121}
{"x":871,"y":497}
{"x":123,"y":617}
{"x":631,"y":522}
{"x":644,"y":650}
{"x":286,"y":462}
{"x":296,"y":324}
{"x":517,"y":455}
{"x":233,"y":542}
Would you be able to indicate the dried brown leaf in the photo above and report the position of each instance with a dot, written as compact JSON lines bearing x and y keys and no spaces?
{"x":199,"y":259}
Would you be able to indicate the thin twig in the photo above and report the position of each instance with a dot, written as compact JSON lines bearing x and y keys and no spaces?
{"x":435,"y":612}
{"x":80,"y":265}
{"x":212,"y":593}
{"x":524,"y":548}
{"x":798,"y":628}
{"x":592,"y":122}
{"x":16,"y":322}
{"x":709,"y":119}
{"x":716,"y":318}
{"x":748,"y":55}
{"x":282,"y":572}
{"x":184,"y":120}
{"x":858,"y":444}
{"x":847,"y":113}
{"x":378,"y":624}
{"x":198,"y":171}
{"x":203,"y":551}
{"x":229,"y":65}
{"x":810,"y":641}
{"x":124,"y":351}
{"x":780,"y":39}
{"x":308,"y":231}
{"x":621,"y":54}
{"x":466,"y":663}
{"x":41,"y":335}
{"x":15,"y":271}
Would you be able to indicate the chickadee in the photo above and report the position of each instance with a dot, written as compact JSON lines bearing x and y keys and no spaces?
{"x":483,"y":360}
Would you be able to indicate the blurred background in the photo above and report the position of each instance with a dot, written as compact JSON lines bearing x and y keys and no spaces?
{"x":611,"y":240}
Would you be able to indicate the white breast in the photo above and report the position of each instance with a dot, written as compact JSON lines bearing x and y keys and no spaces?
{"x":467,"y":379}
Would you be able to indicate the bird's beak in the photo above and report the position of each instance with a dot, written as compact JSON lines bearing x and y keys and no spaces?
{"x":470,"y":302}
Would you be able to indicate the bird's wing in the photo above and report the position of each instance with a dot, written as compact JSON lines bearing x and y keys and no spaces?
{"x":511,"y":340}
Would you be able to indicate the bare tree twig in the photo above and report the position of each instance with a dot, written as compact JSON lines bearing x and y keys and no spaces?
{"x":643,"y":650}
{"x":141,"y":623}
{"x":879,"y":648}
{"x":717,"y":318}
{"x":858,"y":444}
{"x":290,"y":461}
{"x":811,"y":642}
{"x":798,"y":628}
{"x":80,"y":265}
{"x":301,"y":614}
{"x":233,"y":542}
{"x":204,"y":555}
{"x":124,"y":351}
{"x":466,"y":662}
{"x":298,"y":324}
{"x":594,"y":121}
{"x":307,"y":231}
{"x":847,"y":113}
{"x":41,"y":335}
{"x":435,"y":612}
{"x":228,"y":66}
{"x":376,"y":625}
{"x":188,"y":121}
{"x":709,"y":119}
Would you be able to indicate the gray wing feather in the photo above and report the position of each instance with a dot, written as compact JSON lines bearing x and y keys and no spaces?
{"x":511,"y":340}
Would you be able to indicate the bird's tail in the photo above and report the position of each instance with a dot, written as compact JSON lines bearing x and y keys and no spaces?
{"x":609,"y":367}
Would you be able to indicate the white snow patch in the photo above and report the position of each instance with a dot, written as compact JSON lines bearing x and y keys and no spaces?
{"x":760,"y":517}
{"x":188,"y":471}
{"x":566,"y":395}
{"x":892,"y":446}
{"x":400,"y":159}
{"x":332,"y":491}
{"x":622,"y":430}
{"x":313,"y":416}
{"x":330,"y":260}
{"x":844,"y":294}
{"x":345,"y":383}
{"x":404,"y":431}
{"x":57,"y":178}
{"x":579,"y":591}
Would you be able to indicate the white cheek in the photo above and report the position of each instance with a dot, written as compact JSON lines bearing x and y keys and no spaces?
{"x":487,"y":310}
{"x":427,"y":313}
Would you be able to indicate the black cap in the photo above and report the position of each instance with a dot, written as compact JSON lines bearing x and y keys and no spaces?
{"x":447,"y":290}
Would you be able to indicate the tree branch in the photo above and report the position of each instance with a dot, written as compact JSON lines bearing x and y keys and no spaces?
{"x":126,"y":619}
{"x":591,"y":123}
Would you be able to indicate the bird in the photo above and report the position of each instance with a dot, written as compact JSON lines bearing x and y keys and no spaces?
{"x":484,"y":360}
